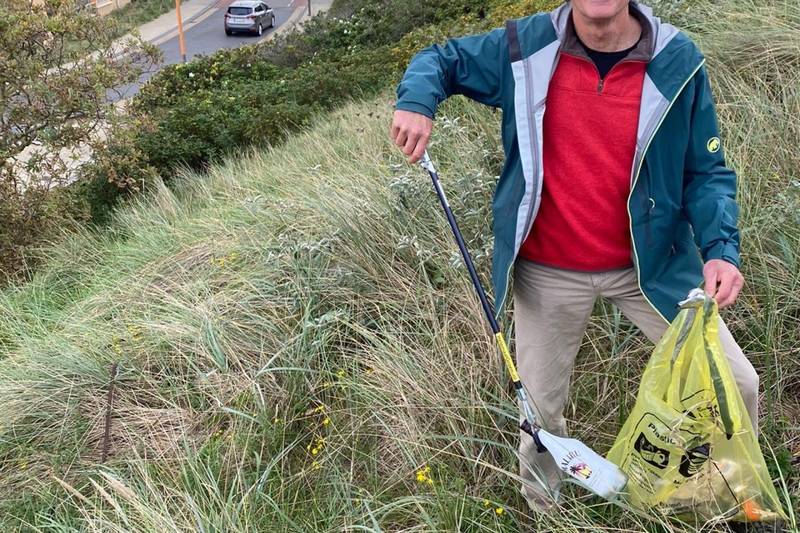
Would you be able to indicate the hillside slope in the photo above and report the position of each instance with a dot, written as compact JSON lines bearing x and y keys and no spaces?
{"x":299,"y":347}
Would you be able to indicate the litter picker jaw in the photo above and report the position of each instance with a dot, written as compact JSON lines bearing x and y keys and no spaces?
{"x":574,"y":458}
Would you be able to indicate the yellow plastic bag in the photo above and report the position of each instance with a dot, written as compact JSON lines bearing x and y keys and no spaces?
{"x":688,"y":446}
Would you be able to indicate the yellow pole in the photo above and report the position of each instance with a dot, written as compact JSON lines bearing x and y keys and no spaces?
{"x":181,"y":41}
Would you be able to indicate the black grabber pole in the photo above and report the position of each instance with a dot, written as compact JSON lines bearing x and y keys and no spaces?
{"x":529,"y":425}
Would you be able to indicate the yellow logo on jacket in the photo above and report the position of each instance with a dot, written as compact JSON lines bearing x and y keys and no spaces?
{"x":713,"y":144}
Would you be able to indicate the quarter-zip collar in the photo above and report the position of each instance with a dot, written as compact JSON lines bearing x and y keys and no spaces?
{"x":642,"y":52}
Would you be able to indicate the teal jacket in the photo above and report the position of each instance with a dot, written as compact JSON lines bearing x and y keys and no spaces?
{"x":682,"y":203}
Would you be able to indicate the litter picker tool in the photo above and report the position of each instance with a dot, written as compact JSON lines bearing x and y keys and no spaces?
{"x":589,"y":469}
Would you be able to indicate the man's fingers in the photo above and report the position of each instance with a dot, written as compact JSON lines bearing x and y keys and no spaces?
{"x":401,"y":137}
{"x":411,"y":131}
{"x":710,"y":276}
{"x":733,"y":287}
{"x":727,"y":276}
{"x":419,"y":150}
{"x":725,"y":287}
{"x":411,"y":143}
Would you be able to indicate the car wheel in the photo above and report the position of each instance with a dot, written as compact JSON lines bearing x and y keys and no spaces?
{"x":272,"y":23}
{"x":228,"y":32}
{"x":260,"y":29}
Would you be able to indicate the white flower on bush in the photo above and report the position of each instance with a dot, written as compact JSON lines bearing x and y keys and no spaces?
{"x":191,"y":74}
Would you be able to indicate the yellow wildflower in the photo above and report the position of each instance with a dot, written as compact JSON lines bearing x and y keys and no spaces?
{"x":486,"y":503}
{"x":423,"y":477}
{"x":499,"y":511}
{"x":326,"y":421}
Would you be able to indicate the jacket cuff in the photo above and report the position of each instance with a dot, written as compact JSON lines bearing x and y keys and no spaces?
{"x":415,"y":107}
{"x":724,"y":250}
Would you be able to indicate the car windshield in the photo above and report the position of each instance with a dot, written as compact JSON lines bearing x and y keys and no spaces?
{"x":240,"y":11}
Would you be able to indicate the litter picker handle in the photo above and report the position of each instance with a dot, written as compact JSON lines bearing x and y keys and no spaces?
{"x":528,"y":425}
{"x":427,"y":164}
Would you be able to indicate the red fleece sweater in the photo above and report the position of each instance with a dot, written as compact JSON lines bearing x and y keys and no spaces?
{"x":589,"y":144}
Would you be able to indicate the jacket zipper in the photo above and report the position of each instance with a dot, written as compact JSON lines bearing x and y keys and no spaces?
{"x":602,"y":81}
{"x":636,"y":178}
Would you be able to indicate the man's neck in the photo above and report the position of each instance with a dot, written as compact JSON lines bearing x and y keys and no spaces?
{"x":608,"y":35}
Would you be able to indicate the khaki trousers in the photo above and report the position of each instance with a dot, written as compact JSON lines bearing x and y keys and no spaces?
{"x":551,"y":311}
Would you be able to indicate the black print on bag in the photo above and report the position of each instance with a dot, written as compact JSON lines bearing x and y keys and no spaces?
{"x":652,"y":454}
{"x":693,"y":461}
{"x":701,"y":405}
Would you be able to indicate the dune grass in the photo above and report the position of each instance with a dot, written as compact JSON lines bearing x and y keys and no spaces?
{"x":299,"y":347}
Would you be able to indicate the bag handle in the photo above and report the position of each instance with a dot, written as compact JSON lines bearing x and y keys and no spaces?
{"x":697,"y":298}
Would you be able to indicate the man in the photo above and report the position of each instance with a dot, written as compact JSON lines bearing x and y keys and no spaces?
{"x":614,"y":185}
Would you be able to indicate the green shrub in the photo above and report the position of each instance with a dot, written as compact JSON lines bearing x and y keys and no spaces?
{"x":206,"y":73}
{"x":203,"y":111}
{"x":118,"y":169}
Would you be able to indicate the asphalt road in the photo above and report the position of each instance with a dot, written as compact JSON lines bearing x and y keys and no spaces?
{"x":206,"y":37}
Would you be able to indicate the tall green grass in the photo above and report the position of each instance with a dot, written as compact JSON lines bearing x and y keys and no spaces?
{"x":298,"y":341}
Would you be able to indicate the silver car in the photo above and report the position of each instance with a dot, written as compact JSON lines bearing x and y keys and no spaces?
{"x":251,"y":16}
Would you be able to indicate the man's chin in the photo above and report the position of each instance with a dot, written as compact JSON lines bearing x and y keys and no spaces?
{"x":599,"y":10}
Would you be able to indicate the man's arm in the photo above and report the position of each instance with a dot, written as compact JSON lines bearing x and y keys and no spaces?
{"x":709,"y":198}
{"x":472,"y":66}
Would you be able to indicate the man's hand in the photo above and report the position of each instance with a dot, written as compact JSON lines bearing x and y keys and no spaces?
{"x":411,"y":131}
{"x":723,"y":280}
